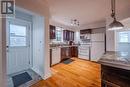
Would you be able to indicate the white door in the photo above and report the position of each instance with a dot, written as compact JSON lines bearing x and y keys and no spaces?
{"x":18,"y":45}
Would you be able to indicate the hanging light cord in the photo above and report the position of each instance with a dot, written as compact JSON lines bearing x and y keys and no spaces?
{"x":113,"y":2}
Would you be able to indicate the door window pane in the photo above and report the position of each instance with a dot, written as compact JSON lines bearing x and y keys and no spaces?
{"x":17,"y":35}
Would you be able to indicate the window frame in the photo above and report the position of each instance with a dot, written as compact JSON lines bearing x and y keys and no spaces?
{"x":20,"y":23}
{"x":120,"y":36}
{"x":59,"y":29}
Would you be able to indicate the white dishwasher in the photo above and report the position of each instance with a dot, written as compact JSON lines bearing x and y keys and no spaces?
{"x":56,"y":55}
{"x":84,"y":51}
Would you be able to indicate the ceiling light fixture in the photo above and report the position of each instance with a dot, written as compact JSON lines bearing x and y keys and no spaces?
{"x":115,"y":25}
{"x":74,"y":22}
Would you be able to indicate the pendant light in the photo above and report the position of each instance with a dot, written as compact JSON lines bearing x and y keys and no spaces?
{"x":115,"y":25}
{"x":74,"y":22}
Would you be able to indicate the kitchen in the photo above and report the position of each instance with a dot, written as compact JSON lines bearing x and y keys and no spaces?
{"x":86,"y":44}
{"x":96,"y":43}
{"x":90,"y":45}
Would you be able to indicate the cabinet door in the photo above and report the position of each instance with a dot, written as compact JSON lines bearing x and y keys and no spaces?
{"x":68,"y":52}
{"x":72,"y":36}
{"x":52,"y":32}
{"x":68,"y":35}
{"x":64,"y":35}
{"x":74,"y":51}
{"x":65,"y":53}
{"x":85,"y":31}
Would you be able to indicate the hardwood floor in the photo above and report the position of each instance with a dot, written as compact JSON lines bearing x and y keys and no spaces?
{"x":79,"y":73}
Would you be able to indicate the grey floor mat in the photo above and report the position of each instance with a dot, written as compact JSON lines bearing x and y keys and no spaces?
{"x":68,"y":61}
{"x":21,"y":79}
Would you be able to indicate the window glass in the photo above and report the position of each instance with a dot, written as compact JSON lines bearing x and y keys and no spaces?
{"x":123,"y":37}
{"x":58,"y":34}
{"x":17,"y":35}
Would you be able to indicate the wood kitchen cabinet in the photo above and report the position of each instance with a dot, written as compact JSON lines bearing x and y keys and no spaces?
{"x":52,"y":32}
{"x":86,"y":31}
{"x":71,"y":35}
{"x":65,"y":53}
{"x":65,"y":35}
{"x":74,"y":51}
{"x":68,"y":35}
{"x":69,"y":52}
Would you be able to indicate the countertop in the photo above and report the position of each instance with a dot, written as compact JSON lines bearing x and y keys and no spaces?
{"x":62,"y":46}
{"x":115,"y":59}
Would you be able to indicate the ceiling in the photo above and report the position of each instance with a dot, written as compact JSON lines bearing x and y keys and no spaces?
{"x":85,"y":11}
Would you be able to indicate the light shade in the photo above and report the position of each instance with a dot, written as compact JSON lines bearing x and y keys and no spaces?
{"x":116,"y":25}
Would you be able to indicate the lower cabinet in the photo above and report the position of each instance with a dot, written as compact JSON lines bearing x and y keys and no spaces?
{"x":59,"y":54}
{"x":65,"y":53}
{"x":69,"y":52}
{"x":74,"y":51}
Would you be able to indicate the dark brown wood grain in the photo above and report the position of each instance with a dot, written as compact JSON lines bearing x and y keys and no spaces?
{"x":68,"y":35}
{"x":69,"y":52}
{"x":115,"y":77}
{"x":85,"y":31}
{"x":52,"y":32}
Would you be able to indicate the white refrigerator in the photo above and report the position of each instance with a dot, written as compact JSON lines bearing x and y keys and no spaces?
{"x":97,"y":46}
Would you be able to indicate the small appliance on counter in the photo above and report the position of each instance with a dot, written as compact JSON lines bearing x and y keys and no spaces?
{"x":71,"y":43}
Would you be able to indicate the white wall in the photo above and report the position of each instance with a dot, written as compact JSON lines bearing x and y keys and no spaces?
{"x":110,"y":41}
{"x":77,"y":36}
{"x":38,"y":49}
{"x":99,"y":30}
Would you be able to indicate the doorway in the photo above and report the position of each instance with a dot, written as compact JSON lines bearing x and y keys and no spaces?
{"x":24,"y":48}
{"x":18,"y":45}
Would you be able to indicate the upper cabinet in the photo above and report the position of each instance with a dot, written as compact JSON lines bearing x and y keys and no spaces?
{"x":65,"y":35}
{"x":85,"y":31}
{"x":56,"y":33}
{"x":52,"y":32}
{"x":68,"y":35}
{"x":71,"y":36}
